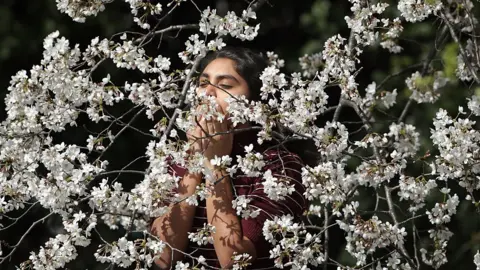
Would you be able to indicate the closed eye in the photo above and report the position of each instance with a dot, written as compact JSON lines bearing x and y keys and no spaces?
{"x":225,"y":86}
{"x":204,"y":83}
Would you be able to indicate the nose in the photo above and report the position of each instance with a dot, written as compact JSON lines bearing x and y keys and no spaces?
{"x":211,"y":90}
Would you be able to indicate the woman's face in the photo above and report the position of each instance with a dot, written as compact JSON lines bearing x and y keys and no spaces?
{"x":220,"y":79}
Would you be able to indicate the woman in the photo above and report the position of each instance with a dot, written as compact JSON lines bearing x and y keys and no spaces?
{"x":231,"y":71}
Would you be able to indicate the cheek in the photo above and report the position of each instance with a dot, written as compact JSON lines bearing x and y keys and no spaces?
{"x":245,"y":92}
{"x":221,"y":96}
{"x":222,"y":103}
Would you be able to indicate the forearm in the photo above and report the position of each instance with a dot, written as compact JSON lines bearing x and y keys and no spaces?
{"x":173,"y":227}
{"x":228,"y":237}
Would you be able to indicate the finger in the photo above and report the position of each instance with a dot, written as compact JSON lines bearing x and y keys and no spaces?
{"x":201,"y":125}
{"x":205,"y":121}
{"x":227,"y":125}
{"x":194,"y":131}
{"x":198,"y":118}
{"x":219,"y":126}
{"x":208,"y":129}
{"x":210,"y":126}
{"x":205,"y":133}
{"x":225,"y":121}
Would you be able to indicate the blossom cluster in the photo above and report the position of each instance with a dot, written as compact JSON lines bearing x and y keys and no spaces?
{"x":423,"y":90}
{"x":418,"y":10}
{"x":466,"y":67}
{"x":296,"y":248}
{"x":384,"y":98}
{"x":458,"y":143}
{"x":79,"y":9}
{"x":125,"y":252}
{"x":326,"y":182}
{"x":62,"y":249}
{"x":243,"y":209}
{"x":310,"y":64}
{"x":415,"y":190}
{"x":212,"y":23}
{"x":203,"y":236}
{"x":252,"y":163}
{"x":365,"y":236}
{"x":364,"y":21}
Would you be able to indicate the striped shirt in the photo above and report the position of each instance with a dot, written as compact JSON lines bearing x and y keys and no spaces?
{"x":283,"y":165}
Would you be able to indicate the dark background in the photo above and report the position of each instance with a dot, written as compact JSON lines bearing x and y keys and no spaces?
{"x":289,"y":28}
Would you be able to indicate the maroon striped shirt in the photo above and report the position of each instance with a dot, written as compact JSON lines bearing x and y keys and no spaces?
{"x":283,"y":164}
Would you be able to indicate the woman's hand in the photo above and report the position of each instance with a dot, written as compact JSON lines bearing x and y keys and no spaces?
{"x":203,"y":139}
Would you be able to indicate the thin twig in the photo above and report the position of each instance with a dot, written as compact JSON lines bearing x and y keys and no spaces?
{"x":176,"y":27}
{"x":18,"y":218}
{"x":24,"y":235}
{"x":156,"y":25}
{"x":401,"y":72}
{"x":426,"y":64}
{"x":119,"y":133}
{"x":164,"y":30}
{"x":121,"y":171}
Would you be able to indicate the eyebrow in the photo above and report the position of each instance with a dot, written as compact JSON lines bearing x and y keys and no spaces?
{"x":221,"y":77}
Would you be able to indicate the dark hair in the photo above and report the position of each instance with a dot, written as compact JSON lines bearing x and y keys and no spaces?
{"x":248,"y":64}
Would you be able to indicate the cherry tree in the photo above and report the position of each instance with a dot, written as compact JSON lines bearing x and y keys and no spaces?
{"x":75,"y":182}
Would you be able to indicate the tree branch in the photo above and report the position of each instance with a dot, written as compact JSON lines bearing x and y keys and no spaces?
{"x":327,"y":237}
{"x":391,"y":208}
{"x":183,"y":96}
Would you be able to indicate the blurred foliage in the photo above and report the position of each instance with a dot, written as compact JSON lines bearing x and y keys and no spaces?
{"x":291,"y":29}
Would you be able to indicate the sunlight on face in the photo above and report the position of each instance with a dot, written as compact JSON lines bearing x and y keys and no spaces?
{"x":220,"y":80}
